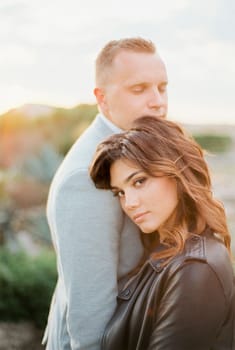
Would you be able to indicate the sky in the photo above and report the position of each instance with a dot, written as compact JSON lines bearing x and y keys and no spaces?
{"x":48,"y":49}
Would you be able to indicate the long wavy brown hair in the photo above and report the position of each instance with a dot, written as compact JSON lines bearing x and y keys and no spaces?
{"x":162,"y":147}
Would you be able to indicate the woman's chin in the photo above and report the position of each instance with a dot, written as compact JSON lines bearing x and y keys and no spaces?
{"x":147,"y":230}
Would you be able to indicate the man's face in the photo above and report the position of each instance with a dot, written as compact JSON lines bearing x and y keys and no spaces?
{"x":136,"y":87}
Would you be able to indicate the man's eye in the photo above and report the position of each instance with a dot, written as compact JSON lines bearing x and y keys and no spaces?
{"x":138,"y":89}
{"x":163,"y":88}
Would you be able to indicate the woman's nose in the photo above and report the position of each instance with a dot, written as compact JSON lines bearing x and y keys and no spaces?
{"x":131,"y":201}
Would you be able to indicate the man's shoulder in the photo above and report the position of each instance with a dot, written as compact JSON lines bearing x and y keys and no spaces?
{"x":79,"y":157}
{"x":97,"y":131}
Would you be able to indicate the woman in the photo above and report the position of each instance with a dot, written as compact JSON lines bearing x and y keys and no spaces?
{"x":182,"y":294}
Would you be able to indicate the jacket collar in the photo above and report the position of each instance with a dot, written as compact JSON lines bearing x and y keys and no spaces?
{"x":194,"y":249}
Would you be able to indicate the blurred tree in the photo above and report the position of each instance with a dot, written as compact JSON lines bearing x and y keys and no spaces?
{"x":214,"y":143}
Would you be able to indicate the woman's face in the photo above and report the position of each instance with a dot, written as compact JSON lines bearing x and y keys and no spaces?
{"x":148,"y":201}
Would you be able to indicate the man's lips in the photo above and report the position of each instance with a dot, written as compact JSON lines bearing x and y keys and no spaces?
{"x":139,"y":217}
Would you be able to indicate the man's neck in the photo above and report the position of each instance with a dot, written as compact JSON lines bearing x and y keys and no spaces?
{"x":111,"y":125}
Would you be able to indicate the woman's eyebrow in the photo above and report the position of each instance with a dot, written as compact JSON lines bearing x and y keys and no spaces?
{"x":132,"y":175}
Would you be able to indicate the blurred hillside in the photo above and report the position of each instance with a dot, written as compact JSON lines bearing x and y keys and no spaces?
{"x":24,"y":130}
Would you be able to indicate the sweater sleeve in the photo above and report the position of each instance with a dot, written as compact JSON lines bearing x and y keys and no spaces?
{"x":191,"y":310}
{"x":87,"y":228}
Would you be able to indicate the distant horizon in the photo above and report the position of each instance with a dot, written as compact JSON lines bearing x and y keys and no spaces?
{"x":173,"y":118}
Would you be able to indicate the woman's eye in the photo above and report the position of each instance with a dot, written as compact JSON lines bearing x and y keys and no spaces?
{"x":139,"y":182}
{"x":118,"y":194}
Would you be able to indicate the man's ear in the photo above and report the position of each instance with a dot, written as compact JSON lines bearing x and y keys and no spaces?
{"x":100,"y":98}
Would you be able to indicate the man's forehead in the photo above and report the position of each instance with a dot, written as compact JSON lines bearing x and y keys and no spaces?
{"x":141,"y":62}
{"x":127,"y":55}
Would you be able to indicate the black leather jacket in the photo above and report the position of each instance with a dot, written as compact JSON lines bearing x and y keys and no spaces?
{"x":187,"y":305}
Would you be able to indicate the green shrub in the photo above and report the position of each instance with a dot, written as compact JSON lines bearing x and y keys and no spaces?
{"x":214,"y":143}
{"x":26,"y":286}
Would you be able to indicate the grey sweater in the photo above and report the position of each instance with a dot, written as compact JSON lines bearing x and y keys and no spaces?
{"x":95,"y":244}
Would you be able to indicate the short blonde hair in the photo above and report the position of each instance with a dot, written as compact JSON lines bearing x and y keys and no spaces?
{"x":106,"y":56}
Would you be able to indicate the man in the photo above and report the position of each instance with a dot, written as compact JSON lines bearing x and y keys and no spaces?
{"x":94,"y":242}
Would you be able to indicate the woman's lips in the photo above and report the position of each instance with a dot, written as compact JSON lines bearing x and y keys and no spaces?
{"x":139,"y":217}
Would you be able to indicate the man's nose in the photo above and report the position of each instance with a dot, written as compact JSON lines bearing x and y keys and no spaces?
{"x":156,"y":99}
